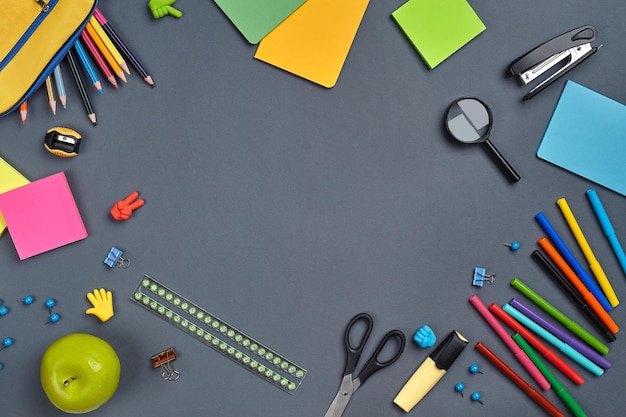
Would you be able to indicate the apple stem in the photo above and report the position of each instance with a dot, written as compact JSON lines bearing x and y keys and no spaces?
{"x":67,"y":381}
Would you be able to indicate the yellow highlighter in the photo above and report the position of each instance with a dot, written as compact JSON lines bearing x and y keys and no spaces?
{"x":594,"y":265}
{"x":430,"y":371}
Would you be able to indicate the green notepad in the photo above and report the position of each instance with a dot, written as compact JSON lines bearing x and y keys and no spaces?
{"x":438,"y":28}
{"x":257,"y":18}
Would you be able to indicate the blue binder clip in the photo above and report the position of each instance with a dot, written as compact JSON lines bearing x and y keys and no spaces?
{"x":481,"y":276}
{"x":114,"y":258}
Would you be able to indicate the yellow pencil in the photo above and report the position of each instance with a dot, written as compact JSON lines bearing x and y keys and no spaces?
{"x":109,"y":44}
{"x":91,"y":31}
{"x":51,"y":101}
{"x":586,"y":249}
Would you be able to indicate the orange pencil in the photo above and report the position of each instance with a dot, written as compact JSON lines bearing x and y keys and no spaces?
{"x":580,"y":287}
{"x":23,"y":111}
{"x":105,"y":52}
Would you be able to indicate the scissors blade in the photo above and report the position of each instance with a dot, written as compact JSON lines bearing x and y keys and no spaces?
{"x":342,"y":398}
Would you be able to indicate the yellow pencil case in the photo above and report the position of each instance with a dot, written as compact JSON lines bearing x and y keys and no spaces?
{"x":34,"y":36}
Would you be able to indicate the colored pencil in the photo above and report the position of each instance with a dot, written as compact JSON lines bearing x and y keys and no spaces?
{"x":107,"y":42}
{"x":534,"y":395}
{"x":105,"y":52}
{"x":548,"y":353}
{"x":58,"y":80}
{"x":123,"y":47}
{"x":568,"y":288}
{"x":594,"y":265}
{"x":97,"y":56}
{"x":81,"y":86}
{"x":50,"y":91}
{"x":559,"y":389}
{"x":23,"y":111}
{"x":84,"y":59}
{"x":578,"y":284}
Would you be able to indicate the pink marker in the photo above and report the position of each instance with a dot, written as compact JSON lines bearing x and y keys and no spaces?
{"x":508,"y":340}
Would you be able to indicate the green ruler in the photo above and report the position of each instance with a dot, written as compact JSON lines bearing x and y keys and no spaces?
{"x":218,"y":334}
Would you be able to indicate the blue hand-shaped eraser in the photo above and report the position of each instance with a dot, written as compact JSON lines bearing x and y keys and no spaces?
{"x":425,"y":337}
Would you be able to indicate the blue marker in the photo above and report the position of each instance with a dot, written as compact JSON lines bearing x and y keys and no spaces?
{"x":607,"y":227}
{"x":571,"y":260}
{"x":575,"y":355}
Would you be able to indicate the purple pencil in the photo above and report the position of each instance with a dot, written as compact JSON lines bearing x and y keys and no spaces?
{"x":122,"y":46}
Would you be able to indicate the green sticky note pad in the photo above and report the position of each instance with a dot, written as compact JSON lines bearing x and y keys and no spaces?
{"x":257,"y":18}
{"x":438,"y":28}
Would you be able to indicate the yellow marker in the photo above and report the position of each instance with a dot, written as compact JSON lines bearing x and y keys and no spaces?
{"x":595,"y":266}
{"x":430,"y":371}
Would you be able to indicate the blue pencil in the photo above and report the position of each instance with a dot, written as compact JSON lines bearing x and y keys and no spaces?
{"x":84,"y":59}
{"x":58,"y":80}
{"x":573,"y":263}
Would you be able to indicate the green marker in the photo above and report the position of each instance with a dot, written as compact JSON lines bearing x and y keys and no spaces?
{"x":565,"y":396}
{"x":569,"y":324}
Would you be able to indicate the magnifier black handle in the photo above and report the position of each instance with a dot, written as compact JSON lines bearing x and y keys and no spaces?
{"x":506,"y":167}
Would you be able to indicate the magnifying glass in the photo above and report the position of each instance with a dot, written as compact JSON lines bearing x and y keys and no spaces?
{"x":469,"y":120}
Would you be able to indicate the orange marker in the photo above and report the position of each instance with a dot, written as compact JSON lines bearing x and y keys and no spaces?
{"x":23,"y":111}
{"x":580,"y":287}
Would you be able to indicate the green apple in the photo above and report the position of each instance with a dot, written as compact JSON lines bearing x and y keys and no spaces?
{"x":79,"y":373}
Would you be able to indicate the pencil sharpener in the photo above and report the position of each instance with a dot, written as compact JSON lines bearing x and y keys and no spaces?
{"x":62,"y":141}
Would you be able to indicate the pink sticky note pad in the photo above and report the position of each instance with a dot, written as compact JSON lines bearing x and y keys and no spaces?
{"x":42,"y":216}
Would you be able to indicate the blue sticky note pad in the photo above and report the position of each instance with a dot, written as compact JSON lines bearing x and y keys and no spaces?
{"x":587,"y":136}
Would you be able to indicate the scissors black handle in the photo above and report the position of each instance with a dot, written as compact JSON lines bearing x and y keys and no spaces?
{"x":354,"y":353}
{"x":373,"y":364}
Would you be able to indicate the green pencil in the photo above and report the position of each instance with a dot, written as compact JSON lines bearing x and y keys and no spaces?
{"x":570,"y":324}
{"x":565,"y":396}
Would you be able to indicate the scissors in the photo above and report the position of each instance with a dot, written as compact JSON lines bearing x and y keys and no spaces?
{"x":349,"y":383}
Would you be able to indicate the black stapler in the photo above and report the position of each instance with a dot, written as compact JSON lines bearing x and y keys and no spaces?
{"x":567,"y":50}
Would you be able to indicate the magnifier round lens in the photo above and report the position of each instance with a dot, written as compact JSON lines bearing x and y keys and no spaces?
{"x":469,"y":120}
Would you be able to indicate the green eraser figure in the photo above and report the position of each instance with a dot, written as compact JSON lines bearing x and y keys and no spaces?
{"x":160,"y":8}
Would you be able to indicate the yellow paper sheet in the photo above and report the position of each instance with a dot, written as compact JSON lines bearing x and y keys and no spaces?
{"x":9,"y":179}
{"x":313,"y":42}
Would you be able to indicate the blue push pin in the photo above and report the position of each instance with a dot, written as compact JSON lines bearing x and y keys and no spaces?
{"x":54,"y":317}
{"x":476,"y":397}
{"x":6,"y":343}
{"x":474,"y":369}
{"x":459,"y":387}
{"x":513,"y":245}
{"x":3,"y":310}
{"x":114,"y":258}
{"x":28,"y":300}
{"x":50,"y":302}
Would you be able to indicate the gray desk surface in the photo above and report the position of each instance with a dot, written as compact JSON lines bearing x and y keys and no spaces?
{"x":286,"y":208}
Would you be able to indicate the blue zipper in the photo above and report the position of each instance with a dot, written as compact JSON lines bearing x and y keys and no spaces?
{"x":45,"y":9}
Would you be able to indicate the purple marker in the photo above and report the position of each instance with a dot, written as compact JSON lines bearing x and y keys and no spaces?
{"x":570,"y":340}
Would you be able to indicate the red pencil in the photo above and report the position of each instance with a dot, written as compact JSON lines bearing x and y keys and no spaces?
{"x":535,"y":395}
{"x":543,"y":349}
{"x":97,"y":56}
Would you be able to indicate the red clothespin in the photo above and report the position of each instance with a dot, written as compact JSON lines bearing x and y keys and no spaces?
{"x":123,"y":209}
